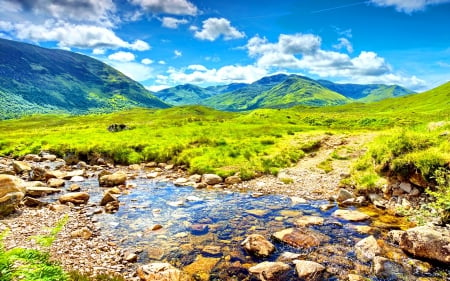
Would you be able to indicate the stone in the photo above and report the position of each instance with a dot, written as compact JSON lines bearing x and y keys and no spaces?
{"x":77,"y":179}
{"x":180,"y":181}
{"x":308,"y":270}
{"x":199,"y":229}
{"x":59,"y":208}
{"x":201,"y":268}
{"x":108,"y":197}
{"x":160,"y":271}
{"x":112,"y":207}
{"x":200,"y":185}
{"x":288,"y":257}
{"x":388,"y":270}
{"x":367,"y":248}
{"x":38,"y":174}
{"x":356,"y":277}
{"x":32,"y":157}
{"x":75,"y":198}
{"x":195,"y":178}
{"x":257,"y":213}
{"x":415,"y":192}
{"x":48,"y":157}
{"x":131,"y":257}
{"x":344,"y":194}
{"x":309,"y":220}
{"x":21,"y":167}
{"x":12,"y":191}
{"x":301,"y":237}
{"x":84,"y":233}
{"x":212,"y":250}
{"x":351,"y":215}
{"x":377,"y":200}
{"x":156,"y":227}
{"x":74,"y":187}
{"x":298,"y":200}
{"x":115,"y":179}
{"x":270,"y":271}
{"x":38,"y":191}
{"x":233,"y":180}
{"x":211,"y":179}
{"x":71,"y":159}
{"x":56,"y":182}
{"x":152,"y":175}
{"x":406,"y":187}
{"x":394,"y":236}
{"x":427,"y":242}
{"x":258,"y":245}
{"x":32,"y":202}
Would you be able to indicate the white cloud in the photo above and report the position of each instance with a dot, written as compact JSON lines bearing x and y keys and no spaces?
{"x":98,"y":51}
{"x":122,"y":56}
{"x":157,"y":88}
{"x":146,"y":61}
{"x":6,"y":26}
{"x":71,"y":35}
{"x":177,"y":53}
{"x":408,"y":6}
{"x":174,"y":7}
{"x":134,"y":70}
{"x":213,"y":28}
{"x":98,"y":11}
{"x":162,"y":62}
{"x":344,"y":43}
{"x":198,"y":74}
{"x":411,"y":82}
{"x":173,"y":23}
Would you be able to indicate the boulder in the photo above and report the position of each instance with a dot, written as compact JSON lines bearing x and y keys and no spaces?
{"x":309,"y":270}
{"x":195,"y":178}
{"x":389,"y":270}
{"x":48,"y":157}
{"x":269,"y":271}
{"x":406,"y":187}
{"x":21,"y":167}
{"x":32,"y":202}
{"x":301,"y":237}
{"x":233,"y":180}
{"x":367,"y":248}
{"x":394,"y":236}
{"x":56,"y":182}
{"x":258,"y":245}
{"x":180,"y":181}
{"x":308,"y":220}
{"x":39,"y":191}
{"x":12,"y":191}
{"x":351,"y":215}
{"x":427,"y":242}
{"x":211,"y":179}
{"x":108,"y":197}
{"x":344,"y":194}
{"x":38,"y":174}
{"x":75,"y":198}
{"x":161,"y":272}
{"x":115,"y":179}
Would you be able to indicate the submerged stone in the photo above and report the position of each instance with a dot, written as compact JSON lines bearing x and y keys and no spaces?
{"x":269,"y":271}
{"x":301,"y":237}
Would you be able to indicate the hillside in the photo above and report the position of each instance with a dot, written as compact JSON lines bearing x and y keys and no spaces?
{"x":40,"y":80}
{"x":187,"y":94}
{"x":366,"y":93}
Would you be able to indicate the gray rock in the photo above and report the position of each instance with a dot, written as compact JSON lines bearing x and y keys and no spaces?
{"x":211,"y":179}
{"x":344,"y":195}
{"x":367,"y":249}
{"x":406,"y":187}
{"x":161,"y":272}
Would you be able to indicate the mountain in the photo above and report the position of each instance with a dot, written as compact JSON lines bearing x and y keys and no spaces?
{"x":220,"y":89}
{"x":40,"y":80}
{"x":366,"y":93}
{"x":278,"y":91}
{"x":187,"y":94}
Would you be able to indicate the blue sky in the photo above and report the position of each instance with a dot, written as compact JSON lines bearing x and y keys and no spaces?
{"x":163,"y":43}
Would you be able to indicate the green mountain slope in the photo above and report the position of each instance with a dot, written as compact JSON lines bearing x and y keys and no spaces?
{"x":366,"y":93}
{"x":187,"y":94}
{"x":277,"y":91}
{"x":35,"y":79}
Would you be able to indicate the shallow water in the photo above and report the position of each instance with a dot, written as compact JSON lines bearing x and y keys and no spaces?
{"x":202,"y":231}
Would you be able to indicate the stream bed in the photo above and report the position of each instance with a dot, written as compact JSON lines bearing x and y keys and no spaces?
{"x":200,"y":232}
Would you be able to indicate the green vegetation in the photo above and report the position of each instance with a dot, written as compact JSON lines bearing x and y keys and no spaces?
{"x":39,"y":80}
{"x":47,"y":240}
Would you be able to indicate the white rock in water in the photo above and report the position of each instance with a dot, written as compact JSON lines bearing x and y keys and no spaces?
{"x":176,"y":203}
{"x":194,"y":198}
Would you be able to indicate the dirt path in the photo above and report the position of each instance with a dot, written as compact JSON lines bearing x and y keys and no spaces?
{"x":317,"y":175}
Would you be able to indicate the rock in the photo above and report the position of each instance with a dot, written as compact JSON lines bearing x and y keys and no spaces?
{"x":427,"y":242}
{"x":257,"y":213}
{"x":344,"y":194}
{"x":48,"y":157}
{"x":233,"y":180}
{"x":152,"y":175}
{"x":212,"y":250}
{"x":32,"y":202}
{"x":134,"y":167}
{"x":195,"y":178}
{"x":405,"y":186}
{"x":308,"y":220}
{"x":77,"y":179}
{"x":56,"y":182}
{"x":59,"y":208}
{"x":309,"y":270}
{"x":115,"y":179}
{"x":298,"y":200}
{"x":108,"y":197}
{"x":38,"y":174}
{"x":75,"y":198}
{"x":114,"y":128}
{"x":180,"y":181}
{"x":201,"y":268}
{"x":12,"y":191}
{"x":199,"y":229}
{"x":394,"y":236}
{"x":39,"y":191}
{"x":270,"y":271}
{"x":84,"y":233}
{"x":32,"y":157}
{"x":112,"y":207}
{"x":114,"y":190}
{"x":74,"y":187}
{"x":351,"y":215}
{"x":418,"y":180}
{"x":288,"y":257}
{"x":258,"y":245}
{"x":356,"y":277}
{"x":367,"y":249}
{"x":388,"y":270}
{"x":161,"y":272}
{"x":415,"y":192}
{"x":301,"y":237}
{"x":156,"y":227}
{"x":200,"y":185}
{"x":211,"y":179}
{"x":71,"y":159}
{"x":377,"y":200}
{"x":21,"y":167}
{"x":131,"y":257}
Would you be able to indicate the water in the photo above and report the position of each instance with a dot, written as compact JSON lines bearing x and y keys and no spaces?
{"x":202,"y":231}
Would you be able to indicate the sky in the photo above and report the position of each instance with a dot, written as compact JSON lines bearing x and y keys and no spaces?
{"x":163,"y":43}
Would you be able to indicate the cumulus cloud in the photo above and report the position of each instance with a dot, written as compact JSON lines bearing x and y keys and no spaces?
{"x":408,"y":6}
{"x":174,"y":7}
{"x":172,"y":23}
{"x":72,"y":35}
{"x":99,"y":11}
{"x":98,"y":51}
{"x":146,"y":61}
{"x":344,"y":43}
{"x":122,"y":56}
{"x":197,"y":67}
{"x":213,"y":28}
{"x":177,"y":53}
{"x":157,"y":88}
{"x":134,"y":70}
{"x":161,"y":62}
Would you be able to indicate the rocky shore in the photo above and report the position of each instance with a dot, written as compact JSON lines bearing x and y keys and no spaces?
{"x":82,"y":246}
